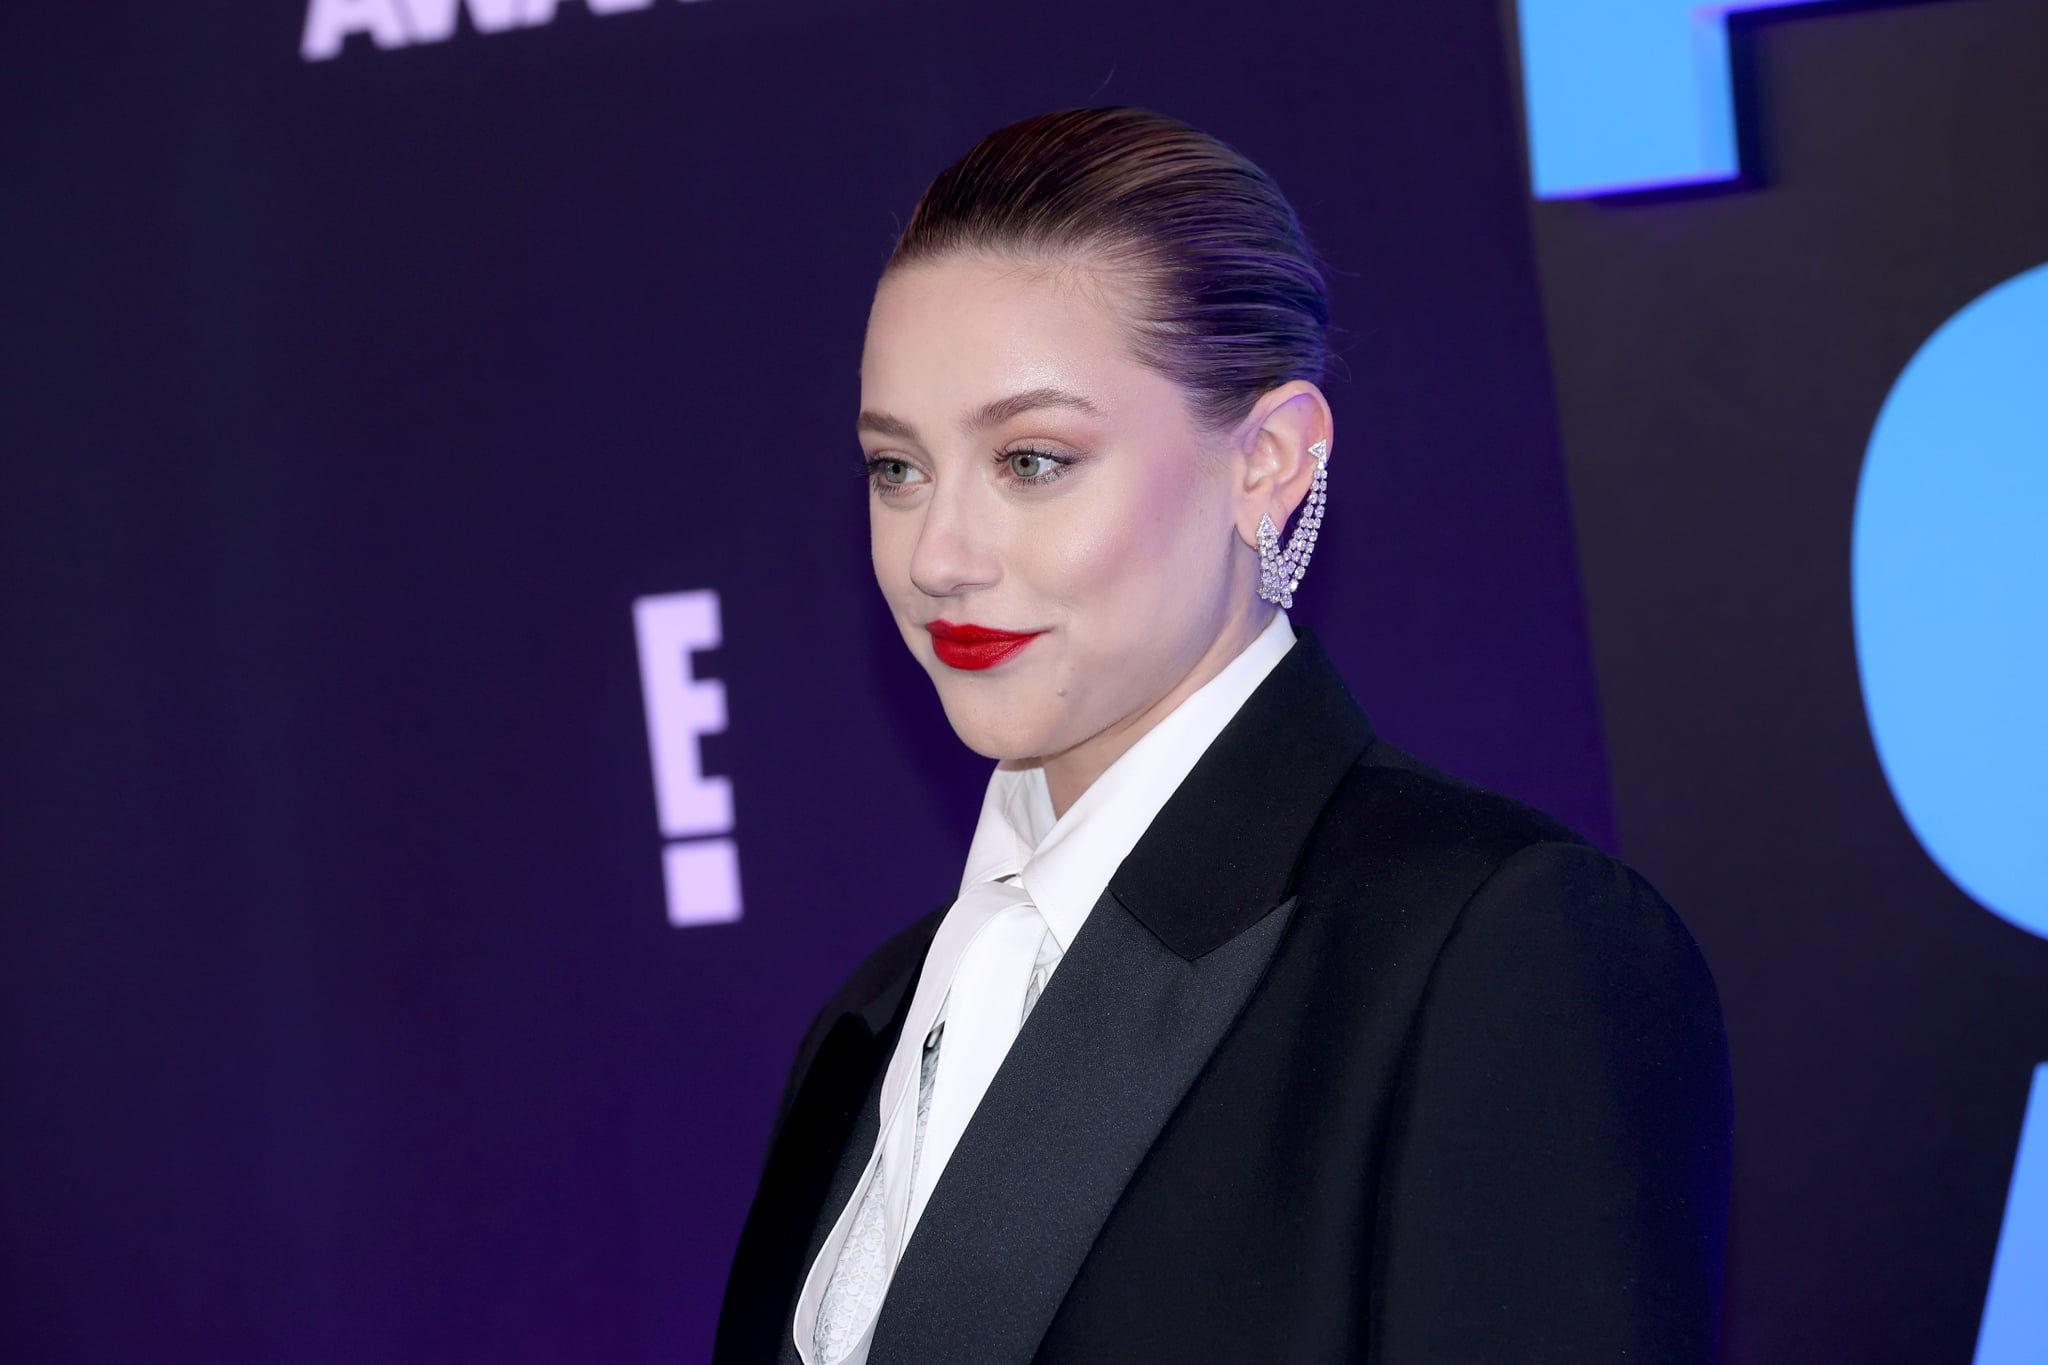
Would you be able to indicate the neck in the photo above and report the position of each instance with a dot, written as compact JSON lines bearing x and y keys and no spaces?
{"x":1072,"y":772}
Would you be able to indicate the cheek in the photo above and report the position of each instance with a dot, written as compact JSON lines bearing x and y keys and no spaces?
{"x":1143,"y":547}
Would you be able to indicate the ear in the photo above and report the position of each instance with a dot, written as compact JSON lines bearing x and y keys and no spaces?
{"x":1274,"y":441}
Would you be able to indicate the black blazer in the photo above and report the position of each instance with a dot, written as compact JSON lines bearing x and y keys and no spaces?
{"x":1351,"y":1062}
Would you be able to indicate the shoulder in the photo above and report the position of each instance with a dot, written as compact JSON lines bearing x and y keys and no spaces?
{"x":1490,"y":876}
{"x":1554,"y":1068}
{"x":1393,"y":814}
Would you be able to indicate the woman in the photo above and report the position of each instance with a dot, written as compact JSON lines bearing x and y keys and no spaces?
{"x":1247,"y":1037}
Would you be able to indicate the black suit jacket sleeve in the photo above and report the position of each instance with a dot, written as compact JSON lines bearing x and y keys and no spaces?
{"x":1555,"y":1175}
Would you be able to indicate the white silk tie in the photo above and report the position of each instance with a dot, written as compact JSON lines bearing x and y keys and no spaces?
{"x":978,"y":970}
{"x":984,"y":1010}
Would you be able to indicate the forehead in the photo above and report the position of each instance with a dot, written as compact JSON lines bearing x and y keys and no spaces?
{"x":965,"y":326}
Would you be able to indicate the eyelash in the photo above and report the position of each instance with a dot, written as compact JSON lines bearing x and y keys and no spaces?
{"x":872,"y":468}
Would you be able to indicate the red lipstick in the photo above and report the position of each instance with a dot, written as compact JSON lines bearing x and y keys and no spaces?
{"x":976,"y":647}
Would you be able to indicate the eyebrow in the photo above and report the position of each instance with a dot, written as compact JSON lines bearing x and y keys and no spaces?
{"x":1003,"y":409}
{"x":991,"y":414}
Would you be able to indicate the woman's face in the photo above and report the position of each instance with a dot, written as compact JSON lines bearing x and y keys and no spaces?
{"x":1030,"y":477}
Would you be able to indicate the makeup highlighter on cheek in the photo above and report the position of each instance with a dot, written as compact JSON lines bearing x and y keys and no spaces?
{"x":972,"y":648}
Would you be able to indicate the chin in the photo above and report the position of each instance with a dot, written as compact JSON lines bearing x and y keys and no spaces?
{"x":992,"y":730}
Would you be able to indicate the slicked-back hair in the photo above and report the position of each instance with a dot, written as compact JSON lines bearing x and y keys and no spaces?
{"x":1229,"y":297}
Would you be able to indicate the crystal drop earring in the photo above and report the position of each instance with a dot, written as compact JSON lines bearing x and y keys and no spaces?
{"x":1280,"y":571}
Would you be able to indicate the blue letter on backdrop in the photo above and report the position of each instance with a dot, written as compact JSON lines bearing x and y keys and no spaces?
{"x":2015,"y":1329}
{"x":1628,"y":94}
{"x":1949,"y":579}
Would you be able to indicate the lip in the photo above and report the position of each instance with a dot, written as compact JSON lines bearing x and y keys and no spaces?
{"x":964,"y":645}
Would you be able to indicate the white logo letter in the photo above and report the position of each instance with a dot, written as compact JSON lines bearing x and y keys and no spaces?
{"x":539,"y":12}
{"x":433,"y":21}
{"x":330,"y":21}
{"x":702,"y":875}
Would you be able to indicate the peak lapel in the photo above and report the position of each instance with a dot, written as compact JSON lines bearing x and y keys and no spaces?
{"x":1224,"y":847}
{"x":1112,"y":1046}
{"x":1162,"y":967}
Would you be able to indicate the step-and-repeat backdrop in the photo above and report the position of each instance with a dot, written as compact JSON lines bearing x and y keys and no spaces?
{"x":452,"y":741}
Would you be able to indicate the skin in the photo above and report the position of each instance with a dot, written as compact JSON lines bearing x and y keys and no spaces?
{"x":1138,"y":559}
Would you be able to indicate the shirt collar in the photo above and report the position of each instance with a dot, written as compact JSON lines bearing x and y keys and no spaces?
{"x":1067,"y":862}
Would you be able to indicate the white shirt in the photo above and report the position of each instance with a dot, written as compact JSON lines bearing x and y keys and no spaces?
{"x":1067,"y":863}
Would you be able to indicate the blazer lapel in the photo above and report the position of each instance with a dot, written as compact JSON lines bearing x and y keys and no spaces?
{"x":1163,"y":965}
{"x":1112,"y":1046}
{"x":815,"y":1157}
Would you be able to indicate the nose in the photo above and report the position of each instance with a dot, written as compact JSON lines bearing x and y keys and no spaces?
{"x":956,"y":548}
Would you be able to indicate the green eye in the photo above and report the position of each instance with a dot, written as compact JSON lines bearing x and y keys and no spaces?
{"x":888,"y":474}
{"x":1032,"y":468}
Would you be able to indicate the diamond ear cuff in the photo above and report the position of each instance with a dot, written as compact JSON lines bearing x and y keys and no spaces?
{"x":1280,"y":570}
